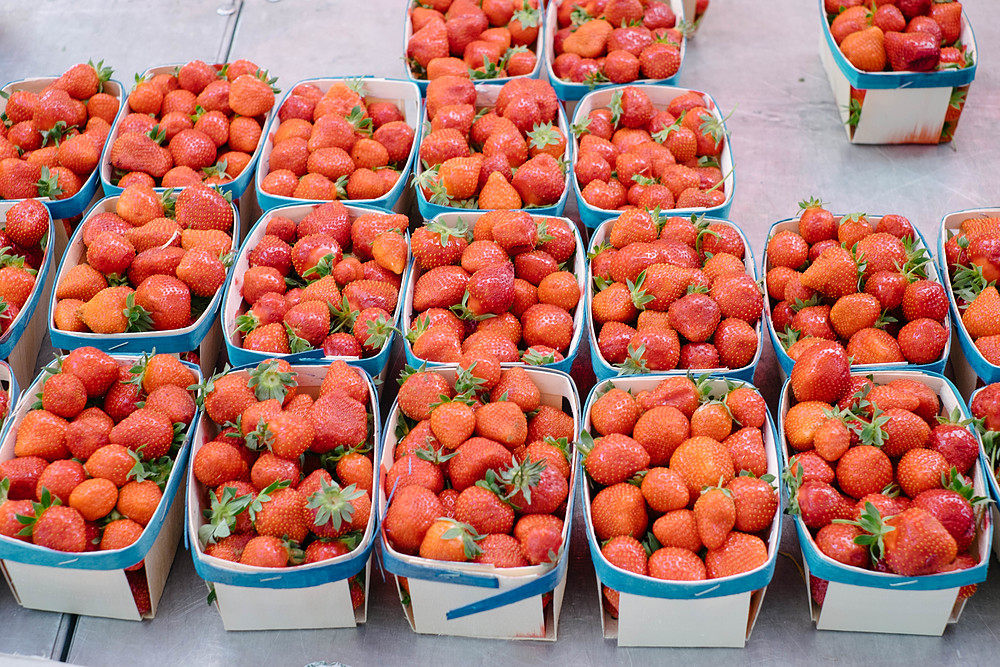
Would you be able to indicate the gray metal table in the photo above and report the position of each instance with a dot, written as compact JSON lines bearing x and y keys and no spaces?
{"x":787,"y":143}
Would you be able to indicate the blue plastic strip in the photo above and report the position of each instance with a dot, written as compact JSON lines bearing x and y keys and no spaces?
{"x":403,"y":568}
{"x":137,"y":343}
{"x":22,"y":552}
{"x":949,"y":78}
{"x":539,"y":586}
{"x":11,"y":337}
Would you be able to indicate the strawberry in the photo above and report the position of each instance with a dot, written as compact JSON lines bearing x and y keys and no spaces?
{"x":834,"y":273}
{"x":135,"y":151}
{"x":819,"y":504}
{"x":904,"y":431}
{"x":738,"y":554}
{"x":912,"y":51}
{"x":203,"y":208}
{"x":619,"y":509}
{"x":756,"y":503}
{"x":676,"y":564}
{"x":412,"y":511}
{"x":953,"y":510}
{"x":821,"y":373}
{"x":918,"y":545}
{"x":27,"y":222}
{"x":715,"y":516}
{"x":864,"y":49}
{"x":862,"y":470}
{"x":266,"y":551}
{"x":539,"y":181}
{"x":920,"y":470}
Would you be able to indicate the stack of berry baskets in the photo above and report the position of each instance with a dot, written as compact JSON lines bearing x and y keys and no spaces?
{"x":898,"y":75}
{"x":25,"y":281}
{"x":146,"y":270}
{"x":319,"y":279}
{"x":66,"y":194}
{"x":966,"y":259}
{"x":387,"y":115}
{"x":694,"y":12}
{"x":93,"y":512}
{"x":642,"y":44}
{"x":650,"y":146}
{"x":869,"y":281}
{"x":498,"y":41}
{"x":445,"y":242}
{"x":985,"y":411}
{"x":220,"y":144}
{"x":470,"y":131}
{"x":653,"y":277}
{"x":893,"y":530}
{"x":701,"y":458}
{"x":297,"y":425}
{"x":487,"y":556}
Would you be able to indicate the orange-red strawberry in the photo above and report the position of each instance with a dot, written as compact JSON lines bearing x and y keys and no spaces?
{"x":619,"y":509}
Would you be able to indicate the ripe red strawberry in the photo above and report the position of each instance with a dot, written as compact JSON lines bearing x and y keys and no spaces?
{"x":836,"y":540}
{"x":918,"y":545}
{"x":756,"y":503}
{"x":819,"y":504}
{"x":619,"y":510}
{"x":540,"y":181}
{"x":912,"y":51}
{"x":715,"y":516}
{"x":203,"y":208}
{"x":740,"y":553}
{"x":615,"y":458}
{"x":27,"y":222}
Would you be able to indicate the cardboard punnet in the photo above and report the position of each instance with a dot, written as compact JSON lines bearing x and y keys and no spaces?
{"x":537,"y":47}
{"x":235,"y":187}
{"x":486,"y":97}
{"x":22,"y":338}
{"x":569,"y":90}
{"x":8,"y":383}
{"x":406,"y":97}
{"x":785,"y":362}
{"x":651,"y":612}
{"x":896,"y":107}
{"x":474,"y":599}
{"x":233,"y":304}
{"x":604,"y":370}
{"x":865,"y":601}
{"x":969,"y":365}
{"x":578,"y":268}
{"x":661,"y":96}
{"x":203,"y":335}
{"x":316,"y":595}
{"x":94,"y":583}
{"x":77,"y":204}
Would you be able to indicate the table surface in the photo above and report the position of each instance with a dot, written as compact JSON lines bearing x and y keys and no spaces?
{"x":788,"y":144}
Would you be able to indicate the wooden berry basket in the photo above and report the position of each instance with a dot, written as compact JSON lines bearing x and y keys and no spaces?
{"x":233,"y":304}
{"x":94,"y":583}
{"x":603,"y":370}
{"x":475,"y":599}
{"x":77,"y":204}
{"x":22,"y":340}
{"x":570,"y":91}
{"x":660,"y":96}
{"x":991,"y":480}
{"x":653,"y":612}
{"x":202,"y":335}
{"x":8,"y":382}
{"x":403,"y":94}
{"x":968,"y":363}
{"x":785,"y":362}
{"x":235,"y":187}
{"x":486,"y":97}
{"x":537,"y":47}
{"x":316,"y":595}
{"x":866,"y":601}
{"x":579,"y":269}
{"x":896,"y":107}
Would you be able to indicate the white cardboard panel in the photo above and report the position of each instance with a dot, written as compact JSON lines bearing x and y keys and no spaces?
{"x":646,"y":621}
{"x":326,"y":606}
